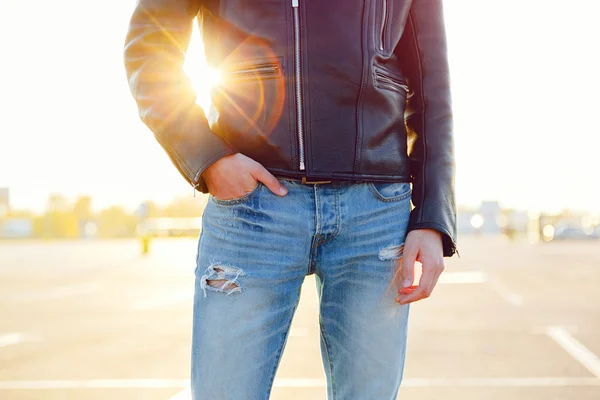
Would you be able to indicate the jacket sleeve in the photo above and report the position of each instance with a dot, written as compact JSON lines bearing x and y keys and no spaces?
{"x":422,"y":55}
{"x":157,"y":39}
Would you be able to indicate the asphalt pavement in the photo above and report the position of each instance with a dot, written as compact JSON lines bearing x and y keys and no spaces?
{"x":97,"y":320}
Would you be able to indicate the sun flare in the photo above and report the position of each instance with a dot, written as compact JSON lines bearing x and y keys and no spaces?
{"x":202,"y":77}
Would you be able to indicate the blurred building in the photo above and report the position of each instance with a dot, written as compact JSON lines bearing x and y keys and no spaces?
{"x":487,"y":220}
{"x":491,"y":218}
{"x":16,"y":228}
{"x":463,"y":221}
{"x":4,"y":202}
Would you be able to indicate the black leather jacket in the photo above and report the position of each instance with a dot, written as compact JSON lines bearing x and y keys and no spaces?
{"x":339,"y":89}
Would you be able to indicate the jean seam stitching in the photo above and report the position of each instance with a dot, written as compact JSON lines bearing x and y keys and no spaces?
{"x":329,"y":363}
{"x":311,"y":258}
{"x":281,"y":345}
{"x":198,"y":252}
{"x":338,"y":228}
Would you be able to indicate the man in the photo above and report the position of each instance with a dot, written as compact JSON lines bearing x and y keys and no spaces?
{"x":326,"y":112}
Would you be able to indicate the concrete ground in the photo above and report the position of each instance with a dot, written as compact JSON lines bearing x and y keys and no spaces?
{"x":95,"y":320}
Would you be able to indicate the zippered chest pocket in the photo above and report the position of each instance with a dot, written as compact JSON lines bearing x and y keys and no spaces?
{"x":254,"y":70}
{"x":381,"y":25}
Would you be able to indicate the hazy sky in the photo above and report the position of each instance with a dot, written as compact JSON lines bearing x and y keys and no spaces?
{"x":525,"y":87}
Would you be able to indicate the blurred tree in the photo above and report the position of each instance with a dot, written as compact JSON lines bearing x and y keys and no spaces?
{"x":21,"y":214}
{"x":57,"y":203}
{"x":186,"y":207}
{"x":115,"y":222}
{"x":58,"y":221}
{"x":82,"y":209}
{"x":56,"y":224}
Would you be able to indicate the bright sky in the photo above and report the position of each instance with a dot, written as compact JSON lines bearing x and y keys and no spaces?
{"x":525,"y":87}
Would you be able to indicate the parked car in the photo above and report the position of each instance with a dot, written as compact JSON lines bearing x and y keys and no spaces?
{"x":570,"y":233}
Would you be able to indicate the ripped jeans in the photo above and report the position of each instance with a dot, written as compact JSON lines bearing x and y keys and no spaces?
{"x":253,"y":255}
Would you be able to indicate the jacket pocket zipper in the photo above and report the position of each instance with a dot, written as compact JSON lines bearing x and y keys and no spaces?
{"x":384,"y":15}
{"x":388,"y":80}
{"x":263,"y":70}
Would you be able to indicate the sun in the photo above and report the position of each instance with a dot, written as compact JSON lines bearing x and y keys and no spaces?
{"x":202,"y":77}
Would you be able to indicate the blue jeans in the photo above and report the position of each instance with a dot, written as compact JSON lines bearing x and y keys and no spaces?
{"x":253,"y":255}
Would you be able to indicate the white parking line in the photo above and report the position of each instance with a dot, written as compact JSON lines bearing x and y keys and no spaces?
{"x":502,"y":382}
{"x":575,"y":348}
{"x":450,"y":383}
{"x":95,"y":384}
{"x":507,"y":294}
{"x":9,"y":339}
{"x":461,"y":277}
{"x":291,"y":383}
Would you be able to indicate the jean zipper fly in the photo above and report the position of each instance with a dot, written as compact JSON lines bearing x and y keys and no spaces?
{"x":298,"y":73}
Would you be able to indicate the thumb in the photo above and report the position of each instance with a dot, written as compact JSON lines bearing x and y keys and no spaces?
{"x":261,"y":174}
{"x":408,"y":266}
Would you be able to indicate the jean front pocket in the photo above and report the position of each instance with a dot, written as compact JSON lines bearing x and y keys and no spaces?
{"x":241,"y":199}
{"x":394,"y":191}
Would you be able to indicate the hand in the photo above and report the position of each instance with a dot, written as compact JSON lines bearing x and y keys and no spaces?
{"x":235,"y":175}
{"x":425,"y":246}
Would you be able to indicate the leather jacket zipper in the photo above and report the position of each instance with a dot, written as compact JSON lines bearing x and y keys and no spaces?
{"x":298,"y":73}
{"x":384,"y":12}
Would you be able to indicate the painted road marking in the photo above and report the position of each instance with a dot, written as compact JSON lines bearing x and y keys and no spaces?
{"x":507,"y":294}
{"x":9,"y":339}
{"x":95,"y":384}
{"x":465,"y":277}
{"x":503,"y":382}
{"x":292,"y":383}
{"x":427,"y":383}
{"x":575,"y":348}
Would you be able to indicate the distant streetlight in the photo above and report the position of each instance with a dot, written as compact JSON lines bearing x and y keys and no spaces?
{"x":548,"y":233}
{"x":477,"y":221}
{"x":90,"y":229}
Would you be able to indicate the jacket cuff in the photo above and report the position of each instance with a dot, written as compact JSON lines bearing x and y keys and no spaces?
{"x":448,"y":237}
{"x":193,"y":151}
{"x":198,"y":181}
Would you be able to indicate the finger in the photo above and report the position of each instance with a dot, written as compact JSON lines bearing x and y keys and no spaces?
{"x":407,"y":290}
{"x":438,"y":269}
{"x":426,"y":285}
{"x":264,"y":176}
{"x":408,"y":265}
